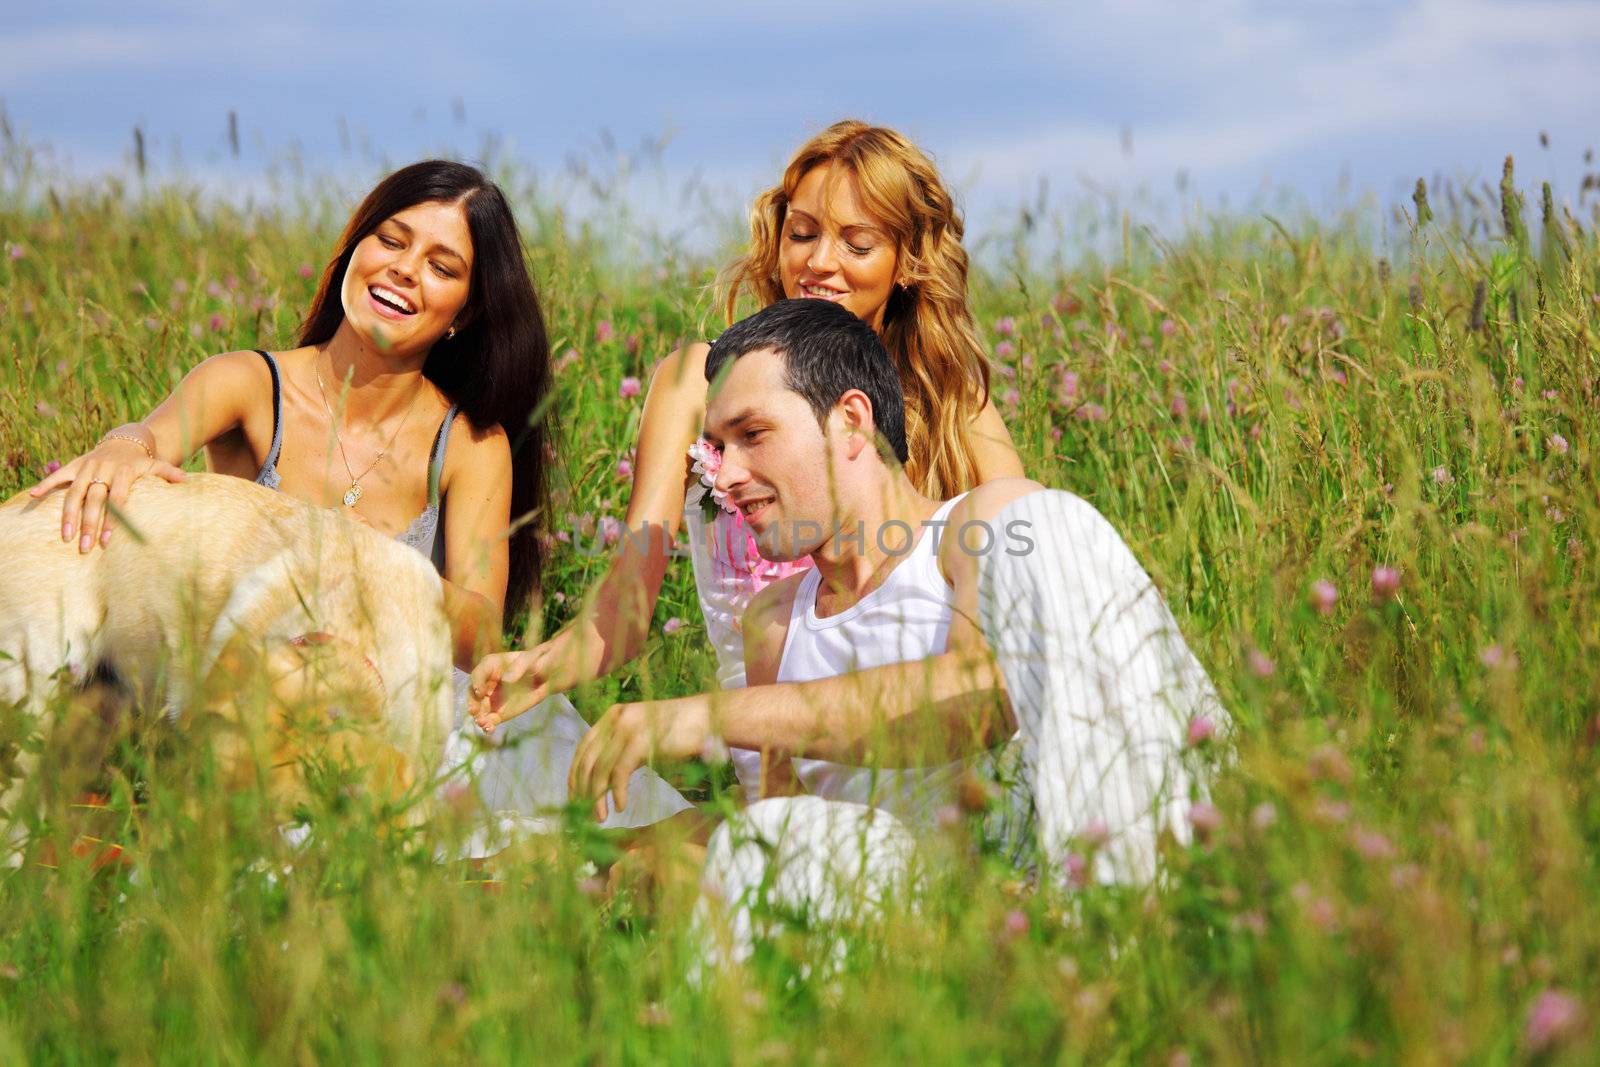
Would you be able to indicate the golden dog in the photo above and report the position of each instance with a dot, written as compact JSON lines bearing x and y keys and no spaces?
{"x":214,"y":582}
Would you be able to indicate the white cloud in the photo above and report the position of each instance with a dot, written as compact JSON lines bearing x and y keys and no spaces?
{"x":31,"y":57}
{"x":1226,"y":90}
{"x":28,"y":56}
{"x":1255,"y":89}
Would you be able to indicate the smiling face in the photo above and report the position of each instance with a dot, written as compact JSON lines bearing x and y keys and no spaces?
{"x":409,"y":279}
{"x":832,"y":248}
{"x":777,"y":464}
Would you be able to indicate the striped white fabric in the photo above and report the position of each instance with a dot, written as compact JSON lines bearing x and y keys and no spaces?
{"x":1101,"y":681}
{"x":1103,"y":688}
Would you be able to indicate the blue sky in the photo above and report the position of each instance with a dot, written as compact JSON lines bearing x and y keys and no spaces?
{"x":1237,"y":94}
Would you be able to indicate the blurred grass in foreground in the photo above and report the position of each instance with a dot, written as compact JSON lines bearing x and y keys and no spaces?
{"x":1362,"y":474}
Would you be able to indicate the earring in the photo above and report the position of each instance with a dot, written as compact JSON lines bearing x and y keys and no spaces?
{"x":450,"y":334}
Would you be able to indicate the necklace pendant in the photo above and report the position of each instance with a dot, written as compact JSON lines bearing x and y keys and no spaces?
{"x":352,"y":494}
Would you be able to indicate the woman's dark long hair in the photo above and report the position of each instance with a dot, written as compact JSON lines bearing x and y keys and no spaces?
{"x":497,"y":367}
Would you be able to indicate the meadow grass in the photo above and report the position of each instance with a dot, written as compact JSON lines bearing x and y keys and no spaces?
{"x":1359,"y":469}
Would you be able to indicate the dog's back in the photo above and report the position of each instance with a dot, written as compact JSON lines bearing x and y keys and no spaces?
{"x":154,"y":590}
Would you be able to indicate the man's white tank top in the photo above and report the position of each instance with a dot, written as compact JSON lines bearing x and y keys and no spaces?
{"x":905,"y":618}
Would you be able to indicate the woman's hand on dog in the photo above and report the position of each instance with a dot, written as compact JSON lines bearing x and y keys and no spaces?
{"x":97,"y":484}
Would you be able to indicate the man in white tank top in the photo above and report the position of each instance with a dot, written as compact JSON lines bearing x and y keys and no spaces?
{"x":927,"y":633}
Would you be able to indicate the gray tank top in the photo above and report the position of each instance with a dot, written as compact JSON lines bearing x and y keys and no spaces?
{"x":423,"y":533}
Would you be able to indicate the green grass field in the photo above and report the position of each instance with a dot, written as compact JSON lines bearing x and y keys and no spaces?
{"x":1359,"y":469}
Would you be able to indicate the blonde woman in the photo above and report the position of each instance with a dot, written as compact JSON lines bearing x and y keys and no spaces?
{"x":861,"y":218}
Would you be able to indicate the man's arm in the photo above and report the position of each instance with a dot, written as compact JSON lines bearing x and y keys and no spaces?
{"x":900,"y":714}
{"x":765,"y":627}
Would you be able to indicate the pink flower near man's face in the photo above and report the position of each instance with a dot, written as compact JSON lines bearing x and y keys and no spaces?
{"x":707,"y":459}
{"x":707,"y":464}
{"x":630,"y":388}
{"x":1323,"y":596}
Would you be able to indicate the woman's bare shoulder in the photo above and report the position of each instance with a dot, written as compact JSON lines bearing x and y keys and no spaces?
{"x":685,"y":366}
{"x":231,"y":379}
{"x":480,"y":454}
{"x":245,"y":363}
{"x":479,"y":440}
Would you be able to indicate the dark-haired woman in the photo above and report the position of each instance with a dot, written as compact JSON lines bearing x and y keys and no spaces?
{"x":411,"y":403}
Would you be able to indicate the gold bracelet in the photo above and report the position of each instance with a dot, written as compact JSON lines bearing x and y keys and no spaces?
{"x":122,"y":435}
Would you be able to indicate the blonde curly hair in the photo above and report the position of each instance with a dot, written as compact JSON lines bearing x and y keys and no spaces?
{"x":927,"y":327}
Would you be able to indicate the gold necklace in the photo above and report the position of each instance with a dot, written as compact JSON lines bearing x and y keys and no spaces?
{"x":353,"y":494}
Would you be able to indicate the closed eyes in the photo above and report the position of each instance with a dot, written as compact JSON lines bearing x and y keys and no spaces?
{"x":395,"y":245}
{"x":857,"y":249}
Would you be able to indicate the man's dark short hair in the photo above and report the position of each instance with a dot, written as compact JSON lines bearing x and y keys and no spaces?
{"x":826,"y":351}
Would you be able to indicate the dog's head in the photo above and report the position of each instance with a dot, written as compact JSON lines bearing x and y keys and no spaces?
{"x":334,"y":656}
{"x":304,"y":712}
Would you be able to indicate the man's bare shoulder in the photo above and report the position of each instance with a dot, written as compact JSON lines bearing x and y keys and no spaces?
{"x":773,"y":604}
{"x":766,"y":628}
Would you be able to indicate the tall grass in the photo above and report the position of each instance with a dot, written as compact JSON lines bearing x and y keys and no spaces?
{"x":1360,"y":468}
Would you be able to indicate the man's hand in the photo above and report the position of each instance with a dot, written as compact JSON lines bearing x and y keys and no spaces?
{"x":627,"y":737}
